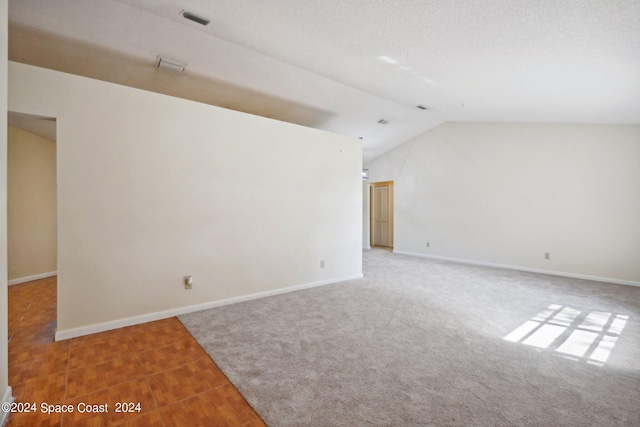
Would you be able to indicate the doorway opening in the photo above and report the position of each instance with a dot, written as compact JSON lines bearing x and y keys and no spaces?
{"x":381,"y":214}
{"x":32,"y":239}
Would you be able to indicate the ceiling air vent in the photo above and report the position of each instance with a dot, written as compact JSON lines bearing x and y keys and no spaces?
{"x":170,"y":65}
{"x":195,"y":18}
{"x":421,"y":107}
{"x":383,"y":121}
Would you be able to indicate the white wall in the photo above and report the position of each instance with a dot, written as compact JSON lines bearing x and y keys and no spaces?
{"x":152,"y":188}
{"x":5,"y":390}
{"x":508,"y":193}
{"x":31,"y":204}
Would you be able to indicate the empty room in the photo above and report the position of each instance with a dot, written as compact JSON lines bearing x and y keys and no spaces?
{"x":342,"y":213}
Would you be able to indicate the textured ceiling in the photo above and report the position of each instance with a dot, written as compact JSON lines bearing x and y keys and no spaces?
{"x":343,"y":65}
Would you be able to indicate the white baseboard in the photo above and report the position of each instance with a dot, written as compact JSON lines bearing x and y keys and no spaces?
{"x":8,"y":398}
{"x":519,"y":268}
{"x":31,"y":278}
{"x":158,"y":315}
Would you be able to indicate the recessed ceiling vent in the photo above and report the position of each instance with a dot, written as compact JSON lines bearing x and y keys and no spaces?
{"x":383,"y":121}
{"x":169,"y":65}
{"x":195,"y":18}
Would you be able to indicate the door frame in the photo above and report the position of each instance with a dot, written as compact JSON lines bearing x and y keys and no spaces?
{"x":372,"y":206}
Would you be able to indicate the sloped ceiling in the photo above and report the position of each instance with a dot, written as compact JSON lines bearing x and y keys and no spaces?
{"x":42,"y":126}
{"x":342,"y":66}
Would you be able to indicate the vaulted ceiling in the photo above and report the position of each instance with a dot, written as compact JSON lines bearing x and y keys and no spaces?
{"x":343,"y":65}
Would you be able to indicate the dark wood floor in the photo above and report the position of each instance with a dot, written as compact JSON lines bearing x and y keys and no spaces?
{"x":157,"y":365}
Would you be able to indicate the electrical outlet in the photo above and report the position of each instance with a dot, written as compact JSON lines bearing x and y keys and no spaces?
{"x":188,"y":282}
{"x":321,"y":263}
{"x":547,"y":255}
{"x":428,"y":245}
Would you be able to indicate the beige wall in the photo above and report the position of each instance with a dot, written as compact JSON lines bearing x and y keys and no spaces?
{"x":507,"y":193}
{"x":153,"y":188}
{"x":31,"y":204}
{"x":5,"y":390}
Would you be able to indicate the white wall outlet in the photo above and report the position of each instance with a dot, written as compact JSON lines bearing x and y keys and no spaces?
{"x":188,"y":282}
{"x":321,"y":263}
{"x":547,"y":255}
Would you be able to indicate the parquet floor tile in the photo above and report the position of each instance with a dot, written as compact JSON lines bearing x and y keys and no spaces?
{"x":157,"y":365}
{"x":88,"y":355}
{"x":216,"y":407}
{"x":128,"y":400}
{"x":105,"y":374}
{"x":161,"y":337}
{"x":42,"y":364}
{"x":153,"y":419}
{"x":182,"y":414}
{"x":187,"y":380}
{"x":99,"y":338}
{"x":43,"y":388}
{"x":229,"y":402}
{"x":25,"y":334}
{"x":171,"y":356}
{"x":31,"y":419}
{"x":39,"y":347}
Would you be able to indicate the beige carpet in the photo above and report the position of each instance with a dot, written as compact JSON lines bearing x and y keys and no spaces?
{"x":419,"y":342}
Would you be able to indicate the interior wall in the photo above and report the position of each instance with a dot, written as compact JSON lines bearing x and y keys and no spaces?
{"x":4,"y":325}
{"x":509,"y":193}
{"x":366,"y":209}
{"x":31,"y":204}
{"x":153,"y":188}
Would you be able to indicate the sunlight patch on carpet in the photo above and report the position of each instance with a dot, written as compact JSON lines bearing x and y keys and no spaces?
{"x":573,"y":334}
